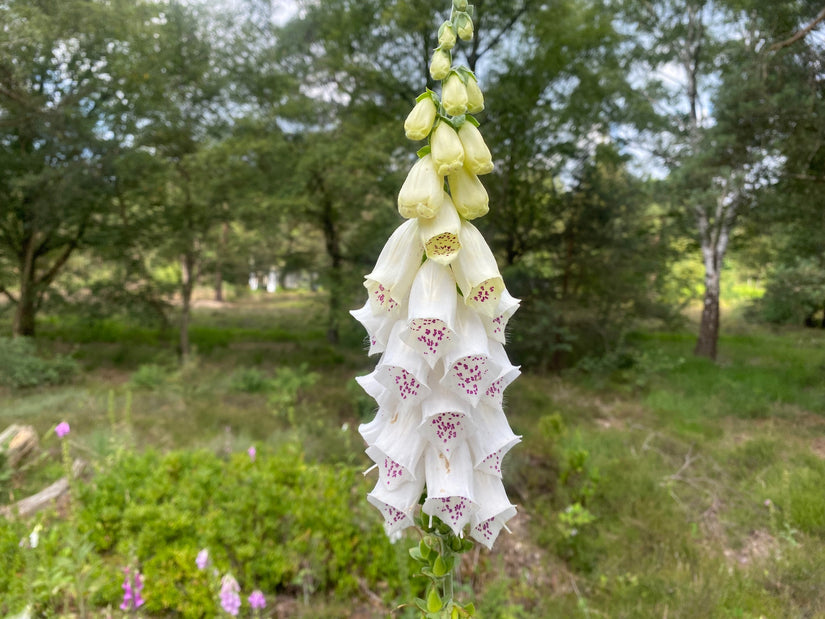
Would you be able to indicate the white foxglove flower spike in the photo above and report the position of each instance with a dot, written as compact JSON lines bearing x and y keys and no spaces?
{"x":493,"y":439}
{"x":494,"y":511}
{"x":397,"y":505}
{"x":389,"y":282}
{"x":440,"y":234}
{"x":378,"y":327}
{"x":402,"y":371}
{"x":446,"y":422}
{"x":432,"y":310}
{"x":497,"y":324}
{"x":476,"y":271}
{"x":450,"y":487}
{"x":422,"y":193}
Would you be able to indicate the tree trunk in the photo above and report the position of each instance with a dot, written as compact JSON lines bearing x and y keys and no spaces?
{"x":23,"y":324}
{"x":709,"y":326}
{"x":187,"y":283}
{"x":333,"y":246}
{"x":219,"y":262}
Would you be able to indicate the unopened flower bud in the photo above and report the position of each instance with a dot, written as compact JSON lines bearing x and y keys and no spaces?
{"x":440,"y":64}
{"x":420,"y":120}
{"x":447,"y":151}
{"x":422,"y":193}
{"x":460,"y":5}
{"x":446,"y":36}
{"x":469,"y":196}
{"x":475,"y":98}
{"x":464,"y":27}
{"x":454,"y":95}
{"x":477,"y":158}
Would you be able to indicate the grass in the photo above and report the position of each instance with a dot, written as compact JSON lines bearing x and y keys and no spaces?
{"x":704,"y":480}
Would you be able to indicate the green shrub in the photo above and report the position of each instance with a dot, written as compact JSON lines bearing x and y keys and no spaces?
{"x":20,"y":367}
{"x":248,"y":380}
{"x":150,"y":376}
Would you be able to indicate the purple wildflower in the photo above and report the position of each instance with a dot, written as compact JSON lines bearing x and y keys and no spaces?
{"x":252,"y":453}
{"x":131,"y":595}
{"x":202,"y":559}
{"x":62,"y":429}
{"x":230,"y":598}
{"x":138,"y":600}
{"x":257,"y":600}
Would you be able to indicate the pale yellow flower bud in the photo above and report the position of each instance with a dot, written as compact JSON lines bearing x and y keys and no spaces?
{"x":477,"y":158}
{"x":469,"y":196}
{"x":447,"y":151}
{"x":422,"y":193}
{"x":464,"y":26}
{"x":440,"y":64}
{"x":420,"y":120}
{"x":446,"y":36}
{"x":475,"y":98}
{"x":460,"y":5}
{"x":454,"y":95}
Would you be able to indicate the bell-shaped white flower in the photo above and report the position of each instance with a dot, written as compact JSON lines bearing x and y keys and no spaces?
{"x":440,"y":234}
{"x":469,"y":196}
{"x":497,"y":323}
{"x":477,"y":158}
{"x":422,"y":192}
{"x":440,"y":64}
{"x":494,"y":511}
{"x":447,"y":149}
{"x":454,"y":95}
{"x":397,"y":505}
{"x":469,"y":370}
{"x":492,"y":440}
{"x":476,"y":271}
{"x":378,"y":326}
{"x":420,"y":120}
{"x":389,"y":282}
{"x":450,"y":487}
{"x":402,"y":371}
{"x":507,"y":373}
{"x":377,"y":392}
{"x":391,"y":474}
{"x":446,"y":422}
{"x":400,"y":440}
{"x":475,"y":98}
{"x":431,"y":314}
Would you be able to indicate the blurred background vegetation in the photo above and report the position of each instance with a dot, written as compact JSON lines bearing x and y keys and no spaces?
{"x":659,"y":173}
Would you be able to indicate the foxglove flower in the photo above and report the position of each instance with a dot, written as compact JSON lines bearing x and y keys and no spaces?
{"x":496,"y":325}
{"x":447,"y":149}
{"x":62,"y":429}
{"x":475,"y":98}
{"x":446,"y":36}
{"x":464,"y":27}
{"x":230,"y":595}
{"x":440,"y":234}
{"x":476,"y":272}
{"x":420,"y":120}
{"x":432,"y":311}
{"x":398,"y":505}
{"x":132,"y":589}
{"x":389,"y":282}
{"x":469,"y":196}
{"x":202,"y":560}
{"x":378,"y":327}
{"x":494,"y":509}
{"x":449,"y":489}
{"x":440,"y":64}
{"x":454,"y":95}
{"x":477,"y":157}
{"x":257,"y":601}
{"x":422,"y":193}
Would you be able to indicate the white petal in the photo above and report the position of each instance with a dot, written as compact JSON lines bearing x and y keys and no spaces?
{"x":402,"y":371}
{"x":469,"y":369}
{"x":378,"y":326}
{"x":389,"y":282}
{"x":496,"y":325}
{"x":391,"y":474}
{"x":375,"y":390}
{"x":397,"y":505}
{"x":450,"y":487}
{"x":476,"y":271}
{"x":446,"y":421}
{"x":399,"y":439}
{"x":440,"y":234}
{"x":492,"y":440}
{"x":506,"y":375}
{"x":431,"y":313}
{"x":494,"y":511}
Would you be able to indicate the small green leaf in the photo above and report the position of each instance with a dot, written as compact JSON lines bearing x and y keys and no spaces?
{"x":434,"y":602}
{"x":422,"y":605}
{"x":424,"y":549}
{"x":439,"y":567}
{"x":467,"y":545}
{"x":416,"y":554}
{"x":423,"y":151}
{"x":470,"y":609}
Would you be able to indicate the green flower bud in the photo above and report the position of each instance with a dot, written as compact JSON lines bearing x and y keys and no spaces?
{"x":460,"y":5}
{"x":440,"y":64}
{"x":464,"y":26}
{"x":420,"y":120}
{"x":477,"y":158}
{"x":446,"y":35}
{"x":454,"y":95}
{"x":475,"y":98}
{"x":447,"y":151}
{"x":469,"y":196}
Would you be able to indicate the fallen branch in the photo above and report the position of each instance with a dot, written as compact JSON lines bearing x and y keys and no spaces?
{"x":46,"y":497}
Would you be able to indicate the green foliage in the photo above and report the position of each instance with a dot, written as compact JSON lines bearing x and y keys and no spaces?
{"x":795,"y":295}
{"x":287,"y":387}
{"x":21,"y":367}
{"x":278,"y":524}
{"x":150,"y":376}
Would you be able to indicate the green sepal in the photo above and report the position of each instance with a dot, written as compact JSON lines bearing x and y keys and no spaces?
{"x":416,"y":554}
{"x":470,"y":609}
{"x":423,"y":151}
{"x":434,"y":603}
{"x":440,"y":567}
{"x":472,"y":120}
{"x":427,"y":93}
{"x":470,"y":10}
{"x":424,"y":549}
{"x":422,"y":605}
{"x":449,"y":563}
{"x":455,"y":544}
{"x":428,"y":572}
{"x":467,"y":545}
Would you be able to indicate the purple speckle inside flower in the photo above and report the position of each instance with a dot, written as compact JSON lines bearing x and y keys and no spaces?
{"x":407,"y":385}
{"x":468,"y":372}
{"x":62,"y":429}
{"x":430,"y":335}
{"x":446,"y":430}
{"x":257,"y":600}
